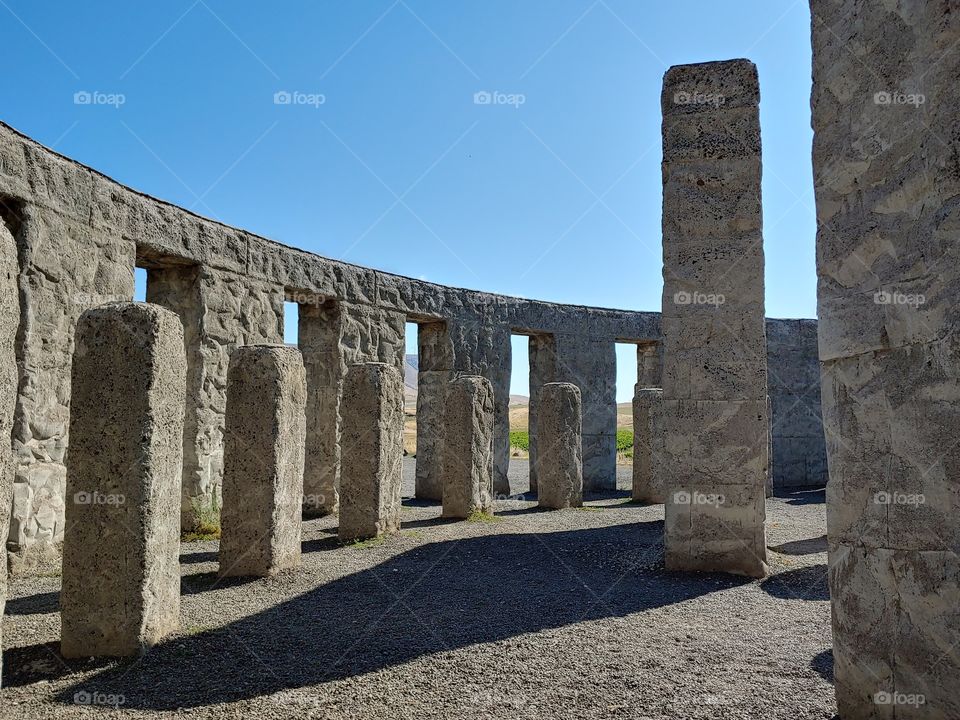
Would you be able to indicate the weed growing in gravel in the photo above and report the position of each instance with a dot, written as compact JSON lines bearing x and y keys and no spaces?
{"x":206,"y":520}
{"x":483,"y":517}
{"x":369,"y":542}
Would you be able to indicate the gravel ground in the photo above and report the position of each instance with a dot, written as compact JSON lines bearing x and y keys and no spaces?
{"x":565,"y":614}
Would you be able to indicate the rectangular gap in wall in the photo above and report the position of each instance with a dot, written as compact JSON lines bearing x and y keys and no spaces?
{"x":140,"y":284}
{"x":291,"y":323}
{"x":411,"y":368}
{"x":627,"y":372}
{"x":520,"y":400}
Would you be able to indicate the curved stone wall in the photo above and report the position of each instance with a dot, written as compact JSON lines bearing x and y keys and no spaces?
{"x":80,"y":235}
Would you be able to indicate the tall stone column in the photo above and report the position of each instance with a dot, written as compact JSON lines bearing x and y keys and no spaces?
{"x":371,"y":451}
{"x":650,"y":365}
{"x":319,"y":330}
{"x":714,"y":360}
{"x":543,"y":370}
{"x":648,"y":445}
{"x":886,"y":120}
{"x":9,"y":323}
{"x":121,"y":570}
{"x":263,"y":461}
{"x":468,"y":447}
{"x":433,"y":378}
{"x":561,"y":457}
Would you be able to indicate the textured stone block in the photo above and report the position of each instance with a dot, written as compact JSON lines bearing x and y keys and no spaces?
{"x":432,"y":387}
{"x":9,"y":322}
{"x":371,"y":451}
{"x":468,"y":447}
{"x":263,"y":459}
{"x":649,"y":478}
{"x":121,"y":571}
{"x":716,"y":438}
{"x":560,"y":457}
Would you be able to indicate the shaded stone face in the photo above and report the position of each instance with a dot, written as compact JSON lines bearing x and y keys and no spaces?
{"x":648,"y":446}
{"x":371,"y":451}
{"x":560,"y":459}
{"x":9,"y":322}
{"x":885,"y":122}
{"x":263,"y":461}
{"x":468,"y":447}
{"x":714,"y":359}
{"x":121,"y":572}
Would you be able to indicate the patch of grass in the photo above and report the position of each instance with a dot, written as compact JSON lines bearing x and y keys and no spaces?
{"x":587,"y":508}
{"x":483,"y":517}
{"x":367,"y":543}
{"x":206,"y":520}
{"x":520,"y":439}
{"x":625,"y":441}
{"x":195,"y":629}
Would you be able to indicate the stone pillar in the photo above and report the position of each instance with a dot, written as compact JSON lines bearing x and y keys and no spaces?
{"x":650,"y":365}
{"x":9,"y":322}
{"x":263,"y":461}
{"x":371,"y":448}
{"x":468,"y":447}
{"x":433,"y":376}
{"x":888,"y":266}
{"x":714,"y":361}
{"x":543,"y":370}
{"x":560,"y":461}
{"x":121,"y":571}
{"x":319,"y":341}
{"x":648,"y":445}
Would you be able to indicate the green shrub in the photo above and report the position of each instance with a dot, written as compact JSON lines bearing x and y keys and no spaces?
{"x":206,"y":520}
{"x":520,"y":439}
{"x":624,"y":440}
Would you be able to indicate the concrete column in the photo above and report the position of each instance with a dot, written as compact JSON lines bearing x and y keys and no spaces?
{"x":468,"y":447}
{"x":121,"y":571}
{"x":543,"y":370}
{"x":560,"y":462}
{"x":888,"y":266}
{"x":9,"y":323}
{"x":433,"y":376}
{"x":714,"y":361}
{"x":263,"y":461}
{"x":319,"y":341}
{"x":371,"y":447}
{"x":650,"y":365}
{"x":648,"y":445}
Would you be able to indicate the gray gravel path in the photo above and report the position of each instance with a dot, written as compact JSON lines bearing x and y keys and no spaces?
{"x":565,"y":614}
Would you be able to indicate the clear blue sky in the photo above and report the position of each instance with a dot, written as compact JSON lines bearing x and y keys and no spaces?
{"x":398,"y":168}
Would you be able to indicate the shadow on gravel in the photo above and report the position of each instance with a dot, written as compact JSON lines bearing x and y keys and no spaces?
{"x":434,"y":598}
{"x":809,"y":546}
{"x":822,"y":664}
{"x":34,"y":604}
{"x":817,"y":496}
{"x":806,"y":583}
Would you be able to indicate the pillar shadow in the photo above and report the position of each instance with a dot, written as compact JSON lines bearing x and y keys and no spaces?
{"x":815,"y":496}
{"x":806,"y":583}
{"x":808,"y":546}
{"x":822,"y":664}
{"x":194,"y":558}
{"x":434,"y":598}
{"x":38,"y":604}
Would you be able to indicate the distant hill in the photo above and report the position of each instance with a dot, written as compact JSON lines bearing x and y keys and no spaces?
{"x":411,"y":366}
